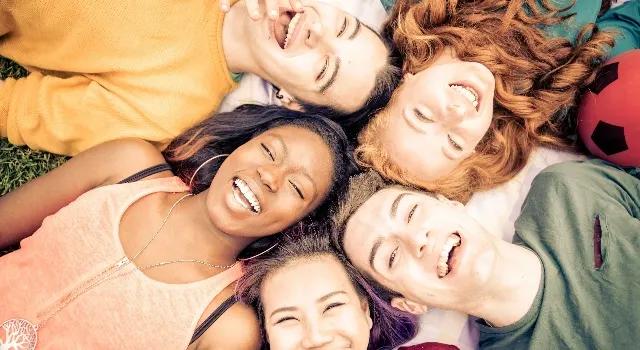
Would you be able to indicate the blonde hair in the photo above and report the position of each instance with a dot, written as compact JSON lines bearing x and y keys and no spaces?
{"x":537,"y":80}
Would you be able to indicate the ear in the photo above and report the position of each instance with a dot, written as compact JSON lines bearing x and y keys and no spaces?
{"x":409,"y":306}
{"x":364,"y":304}
{"x":444,"y":199}
{"x":289,"y":102}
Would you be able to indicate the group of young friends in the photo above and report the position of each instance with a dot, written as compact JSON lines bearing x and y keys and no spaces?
{"x":333,"y":220}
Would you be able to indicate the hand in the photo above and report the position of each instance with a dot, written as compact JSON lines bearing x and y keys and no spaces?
{"x":253,"y":7}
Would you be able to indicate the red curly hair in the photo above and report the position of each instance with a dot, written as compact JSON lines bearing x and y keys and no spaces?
{"x":538,"y":80}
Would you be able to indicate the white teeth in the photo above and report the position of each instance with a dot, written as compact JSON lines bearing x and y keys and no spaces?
{"x":292,"y":26}
{"x":248,"y":194}
{"x":467,"y":92}
{"x":442,"y":267}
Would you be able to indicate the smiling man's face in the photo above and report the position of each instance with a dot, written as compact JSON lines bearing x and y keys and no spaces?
{"x":322,"y":56}
{"x":400,"y":238}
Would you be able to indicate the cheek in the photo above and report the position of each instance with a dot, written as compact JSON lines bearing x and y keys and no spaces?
{"x":284,"y":338}
{"x":353,"y":326}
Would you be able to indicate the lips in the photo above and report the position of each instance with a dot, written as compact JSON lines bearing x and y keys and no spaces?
{"x":244,"y":195}
{"x":287,"y":28}
{"x":469,"y":93}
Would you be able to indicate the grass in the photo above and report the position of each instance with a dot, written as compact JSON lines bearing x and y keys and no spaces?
{"x":20,"y":164}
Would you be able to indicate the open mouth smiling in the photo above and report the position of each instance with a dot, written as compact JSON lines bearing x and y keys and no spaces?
{"x":287,"y":28}
{"x":468,"y":93}
{"x":447,"y":255}
{"x":245,"y":196}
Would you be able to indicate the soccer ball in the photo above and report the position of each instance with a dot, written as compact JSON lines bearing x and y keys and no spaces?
{"x":609,"y":114}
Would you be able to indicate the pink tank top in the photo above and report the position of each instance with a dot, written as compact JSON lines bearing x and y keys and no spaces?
{"x":128,"y":312}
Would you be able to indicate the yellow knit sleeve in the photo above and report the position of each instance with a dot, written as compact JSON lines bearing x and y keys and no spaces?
{"x":5,"y":21}
{"x":69,"y":115}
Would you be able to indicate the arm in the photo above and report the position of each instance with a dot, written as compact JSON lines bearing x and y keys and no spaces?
{"x":22,"y":210}
{"x":67,"y":116}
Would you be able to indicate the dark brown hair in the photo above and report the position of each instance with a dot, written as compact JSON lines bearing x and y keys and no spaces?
{"x":307,"y":241}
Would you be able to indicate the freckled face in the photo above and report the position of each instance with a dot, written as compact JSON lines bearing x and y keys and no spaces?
{"x":438,"y":116}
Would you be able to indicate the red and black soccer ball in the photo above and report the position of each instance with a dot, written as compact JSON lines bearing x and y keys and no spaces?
{"x":609,"y":114}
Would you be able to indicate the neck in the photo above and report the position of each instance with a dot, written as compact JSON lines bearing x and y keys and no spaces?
{"x":200,"y":234}
{"x":235,"y":42}
{"x":518,"y":273}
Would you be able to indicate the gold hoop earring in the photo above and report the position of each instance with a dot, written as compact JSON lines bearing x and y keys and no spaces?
{"x":203,"y":164}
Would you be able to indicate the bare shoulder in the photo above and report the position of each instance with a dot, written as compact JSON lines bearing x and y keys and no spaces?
{"x":128,"y":156}
{"x":238,"y":328}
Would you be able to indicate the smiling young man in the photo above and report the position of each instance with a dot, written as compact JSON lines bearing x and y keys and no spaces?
{"x":103,"y":71}
{"x":569,"y":279}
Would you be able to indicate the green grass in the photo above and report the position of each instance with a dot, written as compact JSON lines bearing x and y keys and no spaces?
{"x":20,"y":164}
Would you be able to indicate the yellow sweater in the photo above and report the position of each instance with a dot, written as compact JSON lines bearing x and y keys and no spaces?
{"x":103,"y":70}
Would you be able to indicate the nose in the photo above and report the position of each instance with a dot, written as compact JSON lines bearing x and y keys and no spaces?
{"x":315,"y":337}
{"x":317,"y":36}
{"x":418,"y":242}
{"x":270,"y":176}
{"x":455,"y":113}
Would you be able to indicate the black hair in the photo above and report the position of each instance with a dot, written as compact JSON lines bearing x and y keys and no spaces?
{"x":225,"y":132}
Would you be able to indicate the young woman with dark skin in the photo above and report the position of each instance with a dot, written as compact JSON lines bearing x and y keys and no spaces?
{"x":281,"y":166}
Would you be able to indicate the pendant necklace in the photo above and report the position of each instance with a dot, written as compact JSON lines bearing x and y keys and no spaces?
{"x":21,"y":334}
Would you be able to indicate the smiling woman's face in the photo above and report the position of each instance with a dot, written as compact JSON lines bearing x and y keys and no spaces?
{"x":438,"y":116}
{"x":270,"y":182}
{"x":312,"y":304}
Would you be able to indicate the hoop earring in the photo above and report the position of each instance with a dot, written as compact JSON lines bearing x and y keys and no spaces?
{"x":201,"y":165}
{"x":279,"y":95}
{"x":261,"y":253}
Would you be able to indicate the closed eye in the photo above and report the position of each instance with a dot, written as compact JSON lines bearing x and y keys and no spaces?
{"x":333,"y":305}
{"x":413,"y":210}
{"x":344,"y":27}
{"x":324,"y":69}
{"x":392,"y":257}
{"x":284,"y":319}
{"x":421,"y":116}
{"x":454,"y":144}
{"x":266,"y":149}
{"x":297,"y":189}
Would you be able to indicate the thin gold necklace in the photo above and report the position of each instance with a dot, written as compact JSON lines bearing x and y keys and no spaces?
{"x":22,"y":334}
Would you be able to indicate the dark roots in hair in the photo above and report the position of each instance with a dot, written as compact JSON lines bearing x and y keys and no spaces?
{"x":307,"y":241}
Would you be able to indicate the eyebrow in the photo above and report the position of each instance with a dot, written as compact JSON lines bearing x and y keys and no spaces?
{"x":283,"y":144}
{"x":374,"y":250}
{"x":304,"y":172}
{"x":283,"y":309}
{"x":320,"y":300}
{"x":331,"y":80}
{"x":394,"y":206}
{"x":357,"y":30}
